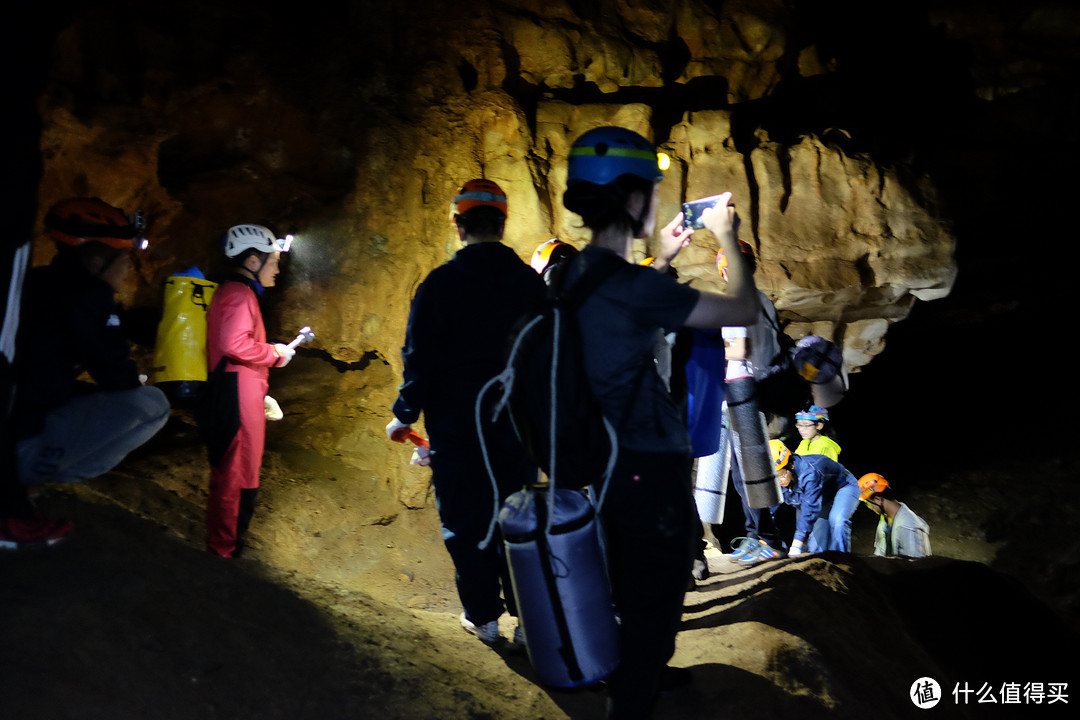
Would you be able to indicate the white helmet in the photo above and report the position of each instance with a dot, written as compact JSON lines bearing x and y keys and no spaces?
{"x":250,"y":237}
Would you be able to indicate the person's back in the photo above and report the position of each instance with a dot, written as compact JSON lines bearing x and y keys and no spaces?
{"x":908,"y":534}
{"x":621,"y":323}
{"x":456,"y":339}
{"x":818,"y":475}
{"x":764,"y":334}
{"x":462,"y":316}
{"x":650,"y":523}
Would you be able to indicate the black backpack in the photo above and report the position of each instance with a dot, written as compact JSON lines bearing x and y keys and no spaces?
{"x":780,"y":390}
{"x":217,"y":412}
{"x":545,"y":386}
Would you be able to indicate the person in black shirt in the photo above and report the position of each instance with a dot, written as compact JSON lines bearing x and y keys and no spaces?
{"x":459,"y":325}
{"x":69,"y":429}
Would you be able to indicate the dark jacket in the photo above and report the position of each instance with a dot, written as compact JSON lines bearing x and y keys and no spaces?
{"x":70,"y":325}
{"x":817,"y":480}
{"x":459,"y":327}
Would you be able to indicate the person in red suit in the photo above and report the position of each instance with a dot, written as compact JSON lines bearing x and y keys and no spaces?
{"x":236,"y":344}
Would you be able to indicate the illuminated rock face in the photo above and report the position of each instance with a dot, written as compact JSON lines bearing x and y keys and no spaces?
{"x":354,"y":131}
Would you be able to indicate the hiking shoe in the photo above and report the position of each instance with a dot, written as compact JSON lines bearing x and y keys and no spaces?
{"x":763,"y":552}
{"x":487,"y":632}
{"x":33,"y":531}
{"x":741,"y":546}
{"x":701,"y":569}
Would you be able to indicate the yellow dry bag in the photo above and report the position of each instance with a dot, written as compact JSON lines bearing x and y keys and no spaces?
{"x":180,"y":354}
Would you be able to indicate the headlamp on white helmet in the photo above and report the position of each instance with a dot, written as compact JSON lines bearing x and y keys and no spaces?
{"x":241,"y":238}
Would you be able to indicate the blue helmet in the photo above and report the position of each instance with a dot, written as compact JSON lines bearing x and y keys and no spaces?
{"x":815,"y":413}
{"x":603,"y":154}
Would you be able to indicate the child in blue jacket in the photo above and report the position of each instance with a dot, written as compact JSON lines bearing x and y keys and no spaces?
{"x":824,"y":494}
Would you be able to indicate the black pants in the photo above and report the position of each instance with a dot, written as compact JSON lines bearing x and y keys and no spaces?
{"x":652,"y":529}
{"x":14,"y":502}
{"x":243,"y":518}
{"x":466,"y":503}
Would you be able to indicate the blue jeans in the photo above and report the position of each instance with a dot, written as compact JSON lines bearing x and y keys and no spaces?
{"x":832,"y":531}
{"x":91,"y":434}
{"x":759,"y":522}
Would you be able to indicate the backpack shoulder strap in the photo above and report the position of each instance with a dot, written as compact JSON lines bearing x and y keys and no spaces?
{"x":574,"y":295}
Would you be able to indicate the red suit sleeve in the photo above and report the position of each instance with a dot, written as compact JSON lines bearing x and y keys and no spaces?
{"x":241,"y":333}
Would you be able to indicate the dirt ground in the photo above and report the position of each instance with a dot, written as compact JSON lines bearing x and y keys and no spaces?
{"x":130,"y":619}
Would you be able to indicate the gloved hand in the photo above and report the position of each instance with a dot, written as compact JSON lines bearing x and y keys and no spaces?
{"x":396,"y":426}
{"x":795,"y":549}
{"x":421,"y":456}
{"x":273,"y":410}
{"x":284,"y":352}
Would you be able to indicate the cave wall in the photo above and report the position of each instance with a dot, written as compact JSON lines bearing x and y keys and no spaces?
{"x":352,"y":125}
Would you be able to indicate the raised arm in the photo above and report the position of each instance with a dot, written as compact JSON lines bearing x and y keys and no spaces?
{"x":738,"y":306}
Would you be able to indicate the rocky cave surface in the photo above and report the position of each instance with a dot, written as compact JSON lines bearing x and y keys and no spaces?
{"x":897,"y":167}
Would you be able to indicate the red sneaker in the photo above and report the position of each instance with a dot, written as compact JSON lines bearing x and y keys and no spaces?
{"x":33,"y":531}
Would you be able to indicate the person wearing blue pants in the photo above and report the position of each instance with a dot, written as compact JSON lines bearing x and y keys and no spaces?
{"x":825,"y":495}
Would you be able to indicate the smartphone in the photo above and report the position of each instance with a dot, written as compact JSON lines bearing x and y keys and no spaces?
{"x":692,"y":210}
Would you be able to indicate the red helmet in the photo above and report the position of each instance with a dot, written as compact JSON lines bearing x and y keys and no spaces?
{"x":78,"y":221}
{"x":479,"y":192}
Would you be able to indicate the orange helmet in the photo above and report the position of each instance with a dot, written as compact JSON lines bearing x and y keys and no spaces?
{"x":553,"y":251}
{"x":78,"y":221}
{"x":871,"y":483}
{"x":780,"y":454}
{"x":721,"y":259}
{"x":479,"y":192}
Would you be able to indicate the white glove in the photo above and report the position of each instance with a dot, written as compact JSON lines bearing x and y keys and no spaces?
{"x":795,"y":550}
{"x":393,"y":426}
{"x":284,"y":352}
{"x":421,"y":456}
{"x":273,"y":410}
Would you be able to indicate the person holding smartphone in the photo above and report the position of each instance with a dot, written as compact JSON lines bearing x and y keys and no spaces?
{"x":649,"y":516}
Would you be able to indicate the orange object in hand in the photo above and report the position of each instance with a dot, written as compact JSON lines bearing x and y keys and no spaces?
{"x":407,"y":433}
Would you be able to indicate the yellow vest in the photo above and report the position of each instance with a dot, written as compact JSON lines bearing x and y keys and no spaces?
{"x":820,"y":445}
